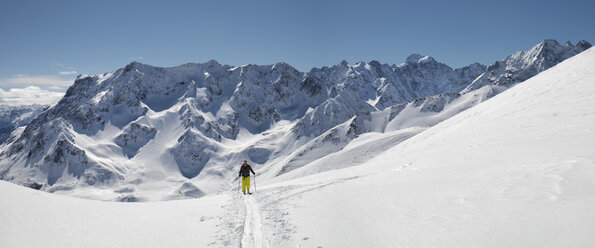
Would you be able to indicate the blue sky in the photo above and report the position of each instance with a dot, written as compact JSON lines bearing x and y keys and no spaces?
{"x":46,"y":43}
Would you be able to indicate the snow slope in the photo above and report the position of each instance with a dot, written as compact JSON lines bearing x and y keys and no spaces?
{"x":30,"y":218}
{"x":515,"y":171}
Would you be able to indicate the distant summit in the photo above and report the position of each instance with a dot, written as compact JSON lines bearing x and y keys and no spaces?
{"x":523,"y":65}
{"x":418,"y":59}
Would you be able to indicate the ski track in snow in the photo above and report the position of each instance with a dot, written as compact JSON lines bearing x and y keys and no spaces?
{"x":253,"y":232}
{"x":261,"y":219}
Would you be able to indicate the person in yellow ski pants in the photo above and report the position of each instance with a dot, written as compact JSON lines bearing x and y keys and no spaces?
{"x":245,"y":174}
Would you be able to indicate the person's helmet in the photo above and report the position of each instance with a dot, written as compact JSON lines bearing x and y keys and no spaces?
{"x":245,"y":161}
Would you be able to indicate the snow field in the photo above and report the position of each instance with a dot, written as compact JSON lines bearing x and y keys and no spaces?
{"x":515,"y":171}
{"x":30,"y":218}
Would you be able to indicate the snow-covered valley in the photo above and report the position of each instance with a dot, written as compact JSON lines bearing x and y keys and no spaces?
{"x":490,"y":168}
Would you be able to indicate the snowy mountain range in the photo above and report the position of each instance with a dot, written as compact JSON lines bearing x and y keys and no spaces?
{"x":517,"y":170}
{"x":13,"y":117}
{"x":146,"y":133}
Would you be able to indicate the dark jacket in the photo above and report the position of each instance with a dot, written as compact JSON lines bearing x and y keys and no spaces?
{"x":245,"y":170}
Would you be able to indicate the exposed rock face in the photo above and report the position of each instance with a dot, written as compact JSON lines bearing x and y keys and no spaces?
{"x":134,"y":137}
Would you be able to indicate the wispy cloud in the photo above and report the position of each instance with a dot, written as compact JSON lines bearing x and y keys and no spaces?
{"x":68,"y":72}
{"x":56,"y":88}
{"x":58,"y":64}
{"x":28,"y":95}
{"x":43,"y":81}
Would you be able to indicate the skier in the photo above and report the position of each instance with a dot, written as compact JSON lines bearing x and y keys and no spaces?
{"x":245,"y":174}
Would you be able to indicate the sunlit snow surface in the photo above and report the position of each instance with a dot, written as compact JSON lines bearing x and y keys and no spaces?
{"x":515,"y":171}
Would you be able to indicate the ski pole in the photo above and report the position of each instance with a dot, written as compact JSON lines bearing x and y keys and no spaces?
{"x":240,"y":185}
{"x":254,"y":182}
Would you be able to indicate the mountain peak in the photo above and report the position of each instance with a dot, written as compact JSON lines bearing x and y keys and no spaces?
{"x":550,"y":42}
{"x":568,"y":44}
{"x":554,"y":44}
{"x":375,"y":63}
{"x":413,"y":58}
{"x":343,"y":63}
{"x":522,"y":65}
{"x":361,"y":63}
{"x":554,"y":50}
{"x":133,"y":65}
{"x":212,"y":63}
{"x":583,"y":45}
{"x":283,"y":66}
{"x":419,"y":59}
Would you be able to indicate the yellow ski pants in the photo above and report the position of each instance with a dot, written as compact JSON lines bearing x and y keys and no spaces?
{"x":245,"y":184}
